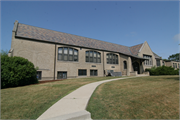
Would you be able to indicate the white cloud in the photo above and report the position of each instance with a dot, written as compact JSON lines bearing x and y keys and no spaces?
{"x":177,"y":37}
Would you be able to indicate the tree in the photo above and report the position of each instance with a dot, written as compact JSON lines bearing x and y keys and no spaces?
{"x":174,"y":57}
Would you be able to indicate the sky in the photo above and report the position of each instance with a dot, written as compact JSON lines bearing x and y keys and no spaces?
{"x":126,"y":23}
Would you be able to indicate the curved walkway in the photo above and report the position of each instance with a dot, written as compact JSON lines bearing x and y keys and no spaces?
{"x":73,"y":106}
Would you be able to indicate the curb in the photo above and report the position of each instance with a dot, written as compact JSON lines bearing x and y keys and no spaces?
{"x":81,"y":115}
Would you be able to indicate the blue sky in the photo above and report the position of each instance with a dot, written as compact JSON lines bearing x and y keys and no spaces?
{"x":122,"y":22}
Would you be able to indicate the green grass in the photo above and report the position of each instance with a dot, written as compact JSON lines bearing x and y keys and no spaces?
{"x":29,"y":102}
{"x":154,"y":97}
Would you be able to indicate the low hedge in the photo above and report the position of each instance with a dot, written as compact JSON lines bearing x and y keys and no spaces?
{"x":17,"y":71}
{"x":162,"y":70}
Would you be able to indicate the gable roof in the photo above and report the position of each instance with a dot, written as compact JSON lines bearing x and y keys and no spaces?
{"x":135,"y":49}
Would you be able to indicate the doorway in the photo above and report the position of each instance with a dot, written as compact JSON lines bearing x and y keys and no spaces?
{"x":136,"y":67}
{"x":62,"y":75}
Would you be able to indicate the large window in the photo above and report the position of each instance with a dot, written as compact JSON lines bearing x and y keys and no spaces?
{"x":93,"y":56}
{"x":125,"y":64}
{"x":148,"y":61}
{"x":82,"y":72}
{"x":67,"y":54}
{"x":93,"y":73}
{"x":158,"y":63}
{"x":112,"y":58}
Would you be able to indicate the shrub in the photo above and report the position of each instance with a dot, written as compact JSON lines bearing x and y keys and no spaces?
{"x":17,"y":71}
{"x":163,"y":70}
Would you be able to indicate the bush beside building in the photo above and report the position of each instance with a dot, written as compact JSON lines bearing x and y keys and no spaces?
{"x":163,"y":70}
{"x":17,"y":71}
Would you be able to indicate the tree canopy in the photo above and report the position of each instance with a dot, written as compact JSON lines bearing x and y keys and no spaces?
{"x":174,"y":57}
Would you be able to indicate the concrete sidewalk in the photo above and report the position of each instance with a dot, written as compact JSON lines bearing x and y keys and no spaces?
{"x":73,"y":106}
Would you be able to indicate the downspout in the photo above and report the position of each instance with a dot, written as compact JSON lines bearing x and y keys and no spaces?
{"x":103,"y":65}
{"x":55,"y":63}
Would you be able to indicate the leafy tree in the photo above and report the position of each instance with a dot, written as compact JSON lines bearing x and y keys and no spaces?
{"x":174,"y":57}
{"x":16,"y":71}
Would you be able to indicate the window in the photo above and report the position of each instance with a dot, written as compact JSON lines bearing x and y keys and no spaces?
{"x":174,"y":65}
{"x":67,"y":54}
{"x":39,"y":73}
{"x":82,"y":72}
{"x":61,"y":74}
{"x":163,"y":63}
{"x":125,"y":64}
{"x":93,"y":56}
{"x":93,"y":73}
{"x":148,"y":61}
{"x":112,"y":58}
{"x":158,"y":63}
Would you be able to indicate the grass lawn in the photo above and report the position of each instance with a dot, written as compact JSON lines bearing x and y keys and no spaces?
{"x":29,"y":102}
{"x":154,"y":97}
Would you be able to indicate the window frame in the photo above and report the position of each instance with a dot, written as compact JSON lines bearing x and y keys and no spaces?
{"x":93,"y":71}
{"x":63,"y":55}
{"x":95,"y":58}
{"x":149,"y":61}
{"x":158,"y":63}
{"x":80,"y":71}
{"x":39,"y":75}
{"x":112,"y":58}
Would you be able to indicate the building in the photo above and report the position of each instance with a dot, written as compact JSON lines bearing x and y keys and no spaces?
{"x":60,"y":55}
{"x":173,"y":64}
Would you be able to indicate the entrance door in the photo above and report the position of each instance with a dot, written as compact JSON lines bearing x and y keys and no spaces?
{"x":136,"y":67}
{"x":62,"y":75}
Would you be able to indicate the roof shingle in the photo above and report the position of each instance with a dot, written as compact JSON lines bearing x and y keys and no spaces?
{"x":27,"y":31}
{"x":135,"y":49}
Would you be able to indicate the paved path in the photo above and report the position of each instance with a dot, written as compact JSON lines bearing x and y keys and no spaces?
{"x":74,"y":104}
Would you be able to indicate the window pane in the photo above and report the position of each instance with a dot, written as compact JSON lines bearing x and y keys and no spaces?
{"x":95,"y":58}
{"x":91,"y":53}
{"x":59,"y":56}
{"x":91,"y":59}
{"x":95,"y":54}
{"x":75,"y":52}
{"x":98,"y":55}
{"x":87,"y":53}
{"x":59,"y":50}
{"x":65,"y":57}
{"x":65,"y":50}
{"x":70,"y":51}
{"x":95,"y":72}
{"x":75,"y":58}
{"x":70,"y":57}
{"x":116,"y":59}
